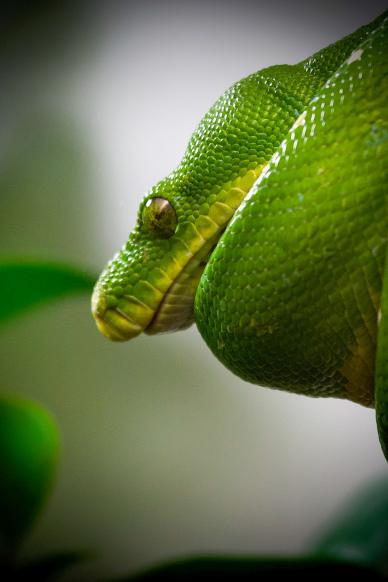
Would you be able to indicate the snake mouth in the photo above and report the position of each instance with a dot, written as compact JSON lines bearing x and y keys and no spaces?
{"x":121,"y":319}
{"x":116,"y":323}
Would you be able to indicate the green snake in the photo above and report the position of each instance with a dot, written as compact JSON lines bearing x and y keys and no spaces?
{"x":271,"y":234}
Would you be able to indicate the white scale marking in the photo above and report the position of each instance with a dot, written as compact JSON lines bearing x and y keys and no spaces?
{"x":355,"y":56}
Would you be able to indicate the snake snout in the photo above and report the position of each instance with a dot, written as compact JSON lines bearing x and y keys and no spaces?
{"x":114,"y":321}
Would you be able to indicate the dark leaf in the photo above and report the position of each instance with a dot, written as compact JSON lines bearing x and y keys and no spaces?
{"x":247,"y":569}
{"x":360,"y":532}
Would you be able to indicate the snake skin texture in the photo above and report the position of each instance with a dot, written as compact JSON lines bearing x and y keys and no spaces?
{"x":272,"y":232}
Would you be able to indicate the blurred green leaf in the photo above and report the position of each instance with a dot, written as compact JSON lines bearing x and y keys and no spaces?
{"x":247,"y":569}
{"x":360,"y":532}
{"x":25,"y":284}
{"x":29,"y":445}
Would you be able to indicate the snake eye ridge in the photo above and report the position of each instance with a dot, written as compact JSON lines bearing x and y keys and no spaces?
{"x":159,"y":217}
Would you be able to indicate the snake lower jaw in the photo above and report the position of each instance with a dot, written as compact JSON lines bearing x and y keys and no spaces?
{"x":176,"y":310}
{"x":176,"y":313}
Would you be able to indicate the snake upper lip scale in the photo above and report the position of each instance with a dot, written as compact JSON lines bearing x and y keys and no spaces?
{"x":271,"y":232}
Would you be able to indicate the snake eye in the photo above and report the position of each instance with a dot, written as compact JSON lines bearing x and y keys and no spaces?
{"x":159,"y":217}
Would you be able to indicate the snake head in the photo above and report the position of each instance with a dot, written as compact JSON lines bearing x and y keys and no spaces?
{"x":150,"y":284}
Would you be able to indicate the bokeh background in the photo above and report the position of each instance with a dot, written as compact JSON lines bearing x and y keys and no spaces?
{"x":165,"y":453}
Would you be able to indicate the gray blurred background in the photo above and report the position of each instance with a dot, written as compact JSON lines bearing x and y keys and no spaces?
{"x":165,"y":453}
